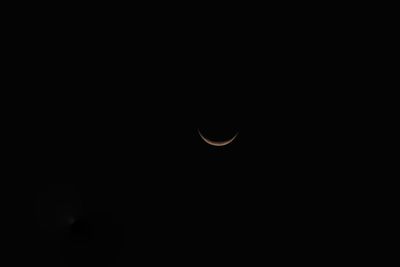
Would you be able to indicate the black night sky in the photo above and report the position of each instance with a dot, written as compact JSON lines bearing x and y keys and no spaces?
{"x":117,"y":173}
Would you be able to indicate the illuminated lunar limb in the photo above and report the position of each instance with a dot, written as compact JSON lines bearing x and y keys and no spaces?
{"x":217,"y":143}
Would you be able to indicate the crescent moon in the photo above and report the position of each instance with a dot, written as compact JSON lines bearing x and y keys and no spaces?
{"x":217,"y":143}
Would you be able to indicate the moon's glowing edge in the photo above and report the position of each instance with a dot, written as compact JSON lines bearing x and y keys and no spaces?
{"x":217,"y":143}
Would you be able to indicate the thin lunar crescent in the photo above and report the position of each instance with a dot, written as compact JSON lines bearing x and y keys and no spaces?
{"x":217,"y":143}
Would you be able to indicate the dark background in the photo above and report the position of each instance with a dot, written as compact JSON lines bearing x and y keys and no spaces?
{"x":116,"y":173}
